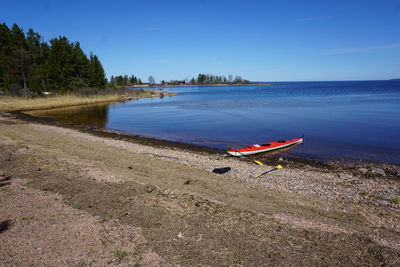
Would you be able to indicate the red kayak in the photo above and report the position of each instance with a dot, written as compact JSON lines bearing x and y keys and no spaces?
{"x":264,"y":147}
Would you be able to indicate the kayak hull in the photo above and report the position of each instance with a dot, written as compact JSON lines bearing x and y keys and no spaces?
{"x":264,"y":148}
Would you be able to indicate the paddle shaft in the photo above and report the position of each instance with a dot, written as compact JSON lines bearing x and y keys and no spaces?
{"x":257,"y":176}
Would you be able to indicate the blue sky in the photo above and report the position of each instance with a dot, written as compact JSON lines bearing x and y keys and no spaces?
{"x":283,"y":40}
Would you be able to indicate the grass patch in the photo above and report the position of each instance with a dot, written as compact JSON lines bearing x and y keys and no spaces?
{"x":20,"y":103}
{"x":77,"y":206}
{"x":364,"y":193}
{"x":104,"y":243}
{"x":394,"y":200}
{"x":105,"y":218}
{"x":27,"y":218}
{"x":44,"y":188}
{"x":137,"y":249}
{"x":120,"y":255}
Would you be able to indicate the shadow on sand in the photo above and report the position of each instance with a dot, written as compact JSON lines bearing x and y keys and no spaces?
{"x":5,"y":181}
{"x":5,"y":225}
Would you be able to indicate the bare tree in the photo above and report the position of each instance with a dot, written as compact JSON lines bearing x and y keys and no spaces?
{"x":152,"y":80}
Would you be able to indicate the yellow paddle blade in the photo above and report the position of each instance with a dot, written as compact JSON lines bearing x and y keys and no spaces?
{"x":258,"y":175}
{"x":258,"y":162}
{"x":279,"y":167}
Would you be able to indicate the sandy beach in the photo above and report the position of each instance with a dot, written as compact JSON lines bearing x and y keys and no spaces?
{"x":79,"y":196}
{"x":123,"y":128}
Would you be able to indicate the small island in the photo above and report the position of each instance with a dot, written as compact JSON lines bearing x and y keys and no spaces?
{"x":207,"y":80}
{"x":201,"y":80}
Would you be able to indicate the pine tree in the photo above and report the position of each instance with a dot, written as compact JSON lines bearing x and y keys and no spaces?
{"x":80,"y":67}
{"x":97,"y":77}
{"x":58,"y":65}
{"x":126,"y":79}
{"x":18,"y":37}
{"x":133,"y":80}
{"x":21,"y":65}
{"x":26,"y":61}
{"x":21,"y":62}
{"x":34,"y":43}
{"x":5,"y":56}
{"x":201,"y":78}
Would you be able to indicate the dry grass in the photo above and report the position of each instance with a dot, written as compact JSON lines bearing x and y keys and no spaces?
{"x":20,"y":103}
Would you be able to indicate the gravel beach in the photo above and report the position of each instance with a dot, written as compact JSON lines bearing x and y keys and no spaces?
{"x":161,"y":204}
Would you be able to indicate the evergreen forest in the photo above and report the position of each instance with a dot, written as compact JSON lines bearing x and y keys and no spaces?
{"x":31,"y":66}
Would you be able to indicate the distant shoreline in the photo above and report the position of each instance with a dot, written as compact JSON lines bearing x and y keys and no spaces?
{"x":195,"y":85}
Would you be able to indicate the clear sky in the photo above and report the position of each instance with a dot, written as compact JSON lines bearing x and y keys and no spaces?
{"x":298,"y":40}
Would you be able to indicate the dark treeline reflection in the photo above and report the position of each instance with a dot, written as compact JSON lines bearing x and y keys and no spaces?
{"x":89,"y":115}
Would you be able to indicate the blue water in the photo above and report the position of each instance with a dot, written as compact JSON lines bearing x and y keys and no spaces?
{"x":355,"y":120}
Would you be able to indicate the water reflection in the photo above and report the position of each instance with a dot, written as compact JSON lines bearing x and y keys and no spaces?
{"x":349,"y":120}
{"x":93,"y":115}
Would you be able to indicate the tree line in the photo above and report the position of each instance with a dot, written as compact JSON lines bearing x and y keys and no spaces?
{"x":29,"y":65}
{"x":122,"y":80}
{"x":215,"y":79}
{"x":203,"y":79}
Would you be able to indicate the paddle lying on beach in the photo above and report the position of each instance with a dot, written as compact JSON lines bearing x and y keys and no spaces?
{"x":255,"y":161}
{"x":277,"y":167}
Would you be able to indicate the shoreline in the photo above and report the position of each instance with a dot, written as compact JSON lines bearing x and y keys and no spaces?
{"x":196,"y":85}
{"x":64,"y":182}
{"x":8,"y":104}
{"x":367,"y":168}
{"x":101,"y":132}
{"x":274,"y":157}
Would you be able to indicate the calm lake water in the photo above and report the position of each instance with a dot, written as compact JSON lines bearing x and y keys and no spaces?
{"x":354,"y":120}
